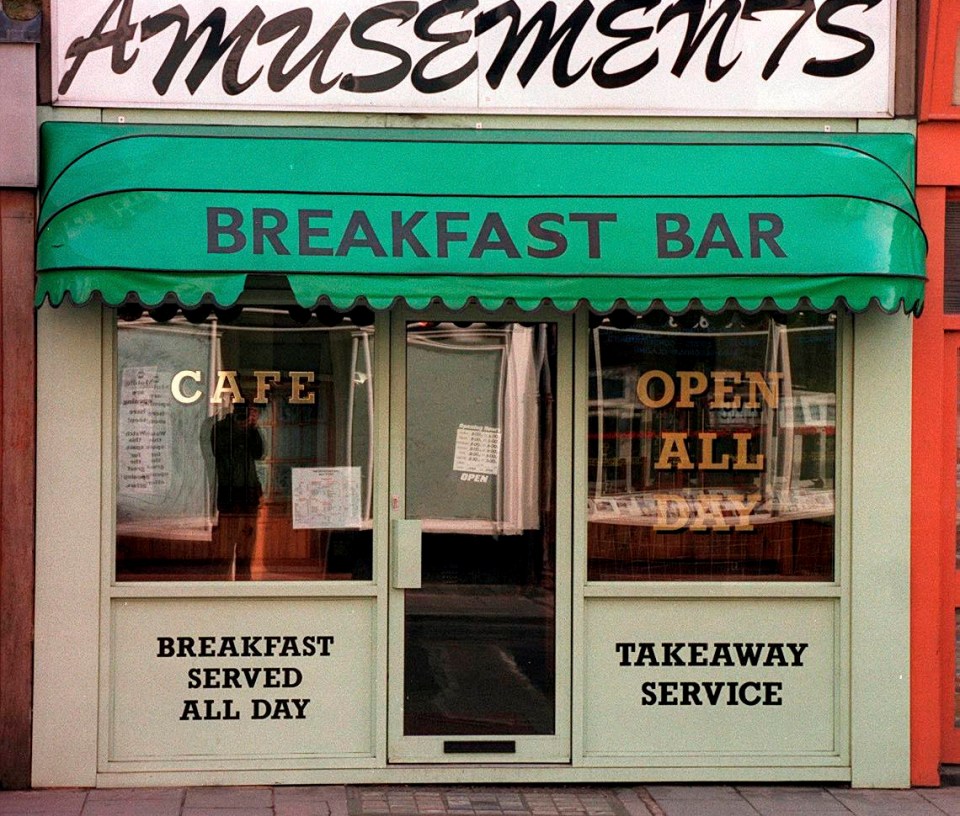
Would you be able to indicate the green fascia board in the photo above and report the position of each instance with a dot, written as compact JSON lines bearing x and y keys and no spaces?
{"x":125,"y":214}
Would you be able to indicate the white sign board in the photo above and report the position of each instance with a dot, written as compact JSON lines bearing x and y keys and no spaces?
{"x":326,"y":498}
{"x":477,"y":449}
{"x":650,"y":57}
{"x":207,"y":678}
{"x":749,"y":677}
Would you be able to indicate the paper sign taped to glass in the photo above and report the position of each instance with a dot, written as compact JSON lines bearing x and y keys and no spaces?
{"x":326,"y":498}
{"x":477,"y":449}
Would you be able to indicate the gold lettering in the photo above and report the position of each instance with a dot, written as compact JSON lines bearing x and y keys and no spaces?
{"x":742,"y":460}
{"x":667,"y":521}
{"x":763,"y":388}
{"x":707,"y":461}
{"x":723,"y":396}
{"x":692,"y":383}
{"x":298,"y":385}
{"x":721,"y":513}
{"x":768,"y":387}
{"x":709,"y":514}
{"x":226,"y":382}
{"x":264,"y":379}
{"x":674,"y":447}
{"x":176,"y":387}
{"x":643,"y":389}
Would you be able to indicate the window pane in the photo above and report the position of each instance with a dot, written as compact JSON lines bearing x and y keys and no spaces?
{"x":480,"y":474}
{"x":244,"y":449}
{"x":712,"y":448}
{"x":951,"y":258}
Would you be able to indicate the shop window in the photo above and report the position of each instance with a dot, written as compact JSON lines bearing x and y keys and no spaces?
{"x":951,"y":274}
{"x":712,"y":447}
{"x":244,"y":448}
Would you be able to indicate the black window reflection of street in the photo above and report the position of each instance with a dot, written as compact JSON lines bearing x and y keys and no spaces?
{"x":480,"y":637}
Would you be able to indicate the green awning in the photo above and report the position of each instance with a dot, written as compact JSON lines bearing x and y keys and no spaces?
{"x":632,"y":220}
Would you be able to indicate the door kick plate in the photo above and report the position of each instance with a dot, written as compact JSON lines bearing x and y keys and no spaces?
{"x":479,"y":746}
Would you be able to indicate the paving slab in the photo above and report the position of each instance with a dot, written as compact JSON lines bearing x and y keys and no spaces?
{"x":228,"y":811}
{"x":701,"y":807}
{"x":222,"y":798}
{"x":698,"y":800}
{"x":300,"y":809}
{"x":887,"y":803}
{"x":42,"y":803}
{"x":132,"y":806}
{"x":135,"y":794}
{"x":946,"y":800}
{"x":792,"y":801}
{"x":637,"y":802}
{"x":316,"y":800}
{"x":692,"y":791}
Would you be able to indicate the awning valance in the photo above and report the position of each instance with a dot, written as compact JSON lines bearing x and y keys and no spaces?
{"x":634,"y":220}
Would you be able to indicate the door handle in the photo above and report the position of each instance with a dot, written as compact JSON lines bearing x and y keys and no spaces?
{"x":405,"y":545}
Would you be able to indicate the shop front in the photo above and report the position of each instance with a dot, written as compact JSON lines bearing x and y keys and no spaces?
{"x":372,"y":455}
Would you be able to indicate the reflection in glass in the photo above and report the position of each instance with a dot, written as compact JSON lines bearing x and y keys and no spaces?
{"x":244,"y":449}
{"x":479,"y":634}
{"x":712,"y":447}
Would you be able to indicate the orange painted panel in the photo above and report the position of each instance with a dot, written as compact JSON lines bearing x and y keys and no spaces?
{"x":926,"y":564}
{"x":936,"y":101}
{"x":938,"y":154}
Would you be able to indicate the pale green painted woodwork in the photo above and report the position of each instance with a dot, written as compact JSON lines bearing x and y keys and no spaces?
{"x":757,"y":685}
{"x":880,"y":554}
{"x":68,"y":553}
{"x":303,"y":708}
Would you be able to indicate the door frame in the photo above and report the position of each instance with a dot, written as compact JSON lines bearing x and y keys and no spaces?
{"x":556,"y":748}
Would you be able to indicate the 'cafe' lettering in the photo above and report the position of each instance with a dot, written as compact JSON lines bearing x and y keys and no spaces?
{"x":228,"y":385}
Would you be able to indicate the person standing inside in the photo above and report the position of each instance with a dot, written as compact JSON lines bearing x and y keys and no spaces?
{"x":237,"y":446}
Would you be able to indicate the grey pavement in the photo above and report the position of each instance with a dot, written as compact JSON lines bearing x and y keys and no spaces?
{"x":480,"y":800}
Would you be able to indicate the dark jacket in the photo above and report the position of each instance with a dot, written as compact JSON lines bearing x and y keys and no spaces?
{"x":236,"y":448}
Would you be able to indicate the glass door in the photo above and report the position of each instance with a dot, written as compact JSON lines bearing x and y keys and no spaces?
{"x":479,"y":649}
